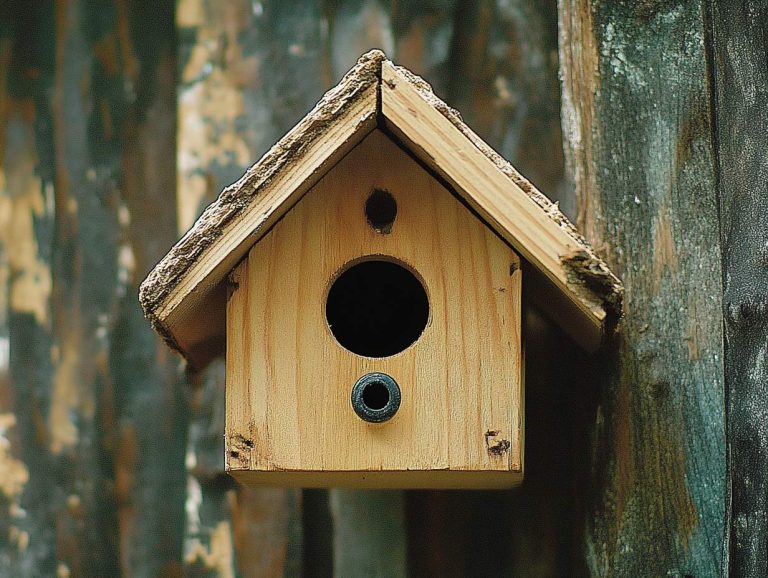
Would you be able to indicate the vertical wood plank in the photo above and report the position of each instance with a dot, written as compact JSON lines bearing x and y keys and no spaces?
{"x":739,"y":43}
{"x":636,"y":116}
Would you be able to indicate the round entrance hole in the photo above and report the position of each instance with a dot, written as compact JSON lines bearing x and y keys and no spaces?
{"x":377,"y":308}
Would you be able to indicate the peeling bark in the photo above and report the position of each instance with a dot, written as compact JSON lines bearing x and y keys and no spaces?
{"x":91,"y":388}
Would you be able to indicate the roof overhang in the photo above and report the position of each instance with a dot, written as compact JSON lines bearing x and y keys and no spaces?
{"x":184,"y":296}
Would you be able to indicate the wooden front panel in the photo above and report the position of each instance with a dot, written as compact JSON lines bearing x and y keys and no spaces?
{"x":288,"y":379}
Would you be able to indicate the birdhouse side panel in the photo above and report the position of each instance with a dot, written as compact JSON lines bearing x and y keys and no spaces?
{"x":317,"y":306}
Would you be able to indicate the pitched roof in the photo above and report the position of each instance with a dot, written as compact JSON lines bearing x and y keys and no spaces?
{"x":185,"y":294}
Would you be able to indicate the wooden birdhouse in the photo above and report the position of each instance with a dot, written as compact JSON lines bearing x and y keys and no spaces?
{"x":365,"y":280}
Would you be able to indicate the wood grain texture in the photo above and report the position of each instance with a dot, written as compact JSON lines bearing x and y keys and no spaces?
{"x":183,"y":295}
{"x":231,"y":530}
{"x":201,"y":335}
{"x":416,"y":34}
{"x":289,"y":381}
{"x":739,"y":44}
{"x":636,"y":115}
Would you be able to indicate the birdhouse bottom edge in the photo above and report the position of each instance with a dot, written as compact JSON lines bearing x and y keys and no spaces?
{"x":404,"y":479}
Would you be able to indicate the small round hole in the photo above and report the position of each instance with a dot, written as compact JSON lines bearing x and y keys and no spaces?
{"x":381,"y":210}
{"x":377,"y":308}
{"x":375,"y":395}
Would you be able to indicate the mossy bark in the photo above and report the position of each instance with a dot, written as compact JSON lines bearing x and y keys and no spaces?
{"x":638,"y":127}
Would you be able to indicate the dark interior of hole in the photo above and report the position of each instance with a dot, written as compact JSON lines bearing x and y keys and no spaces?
{"x":376,"y":395}
{"x":377,"y":308}
{"x":381,"y":210}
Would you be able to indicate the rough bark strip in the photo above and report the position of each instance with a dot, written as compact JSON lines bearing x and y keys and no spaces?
{"x":587,"y":275}
{"x":636,"y":119}
{"x":368,"y":533}
{"x":739,"y":46}
{"x":214,"y":111}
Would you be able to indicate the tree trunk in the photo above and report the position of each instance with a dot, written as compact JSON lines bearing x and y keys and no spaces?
{"x":739,"y":47}
{"x":93,"y":407}
{"x":637,"y":120}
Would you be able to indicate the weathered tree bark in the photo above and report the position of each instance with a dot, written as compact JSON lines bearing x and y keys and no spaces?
{"x":636,"y":116}
{"x":739,"y":47}
{"x":92,"y":402}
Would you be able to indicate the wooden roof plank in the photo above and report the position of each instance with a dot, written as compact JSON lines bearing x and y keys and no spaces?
{"x":187,"y":278}
{"x":511,"y":205}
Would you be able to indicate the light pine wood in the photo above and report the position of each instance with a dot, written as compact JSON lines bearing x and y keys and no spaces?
{"x":194,"y":311}
{"x":507,"y":208}
{"x":289,"y":381}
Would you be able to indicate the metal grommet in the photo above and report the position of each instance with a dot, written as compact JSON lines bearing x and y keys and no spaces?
{"x":375,"y":397}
